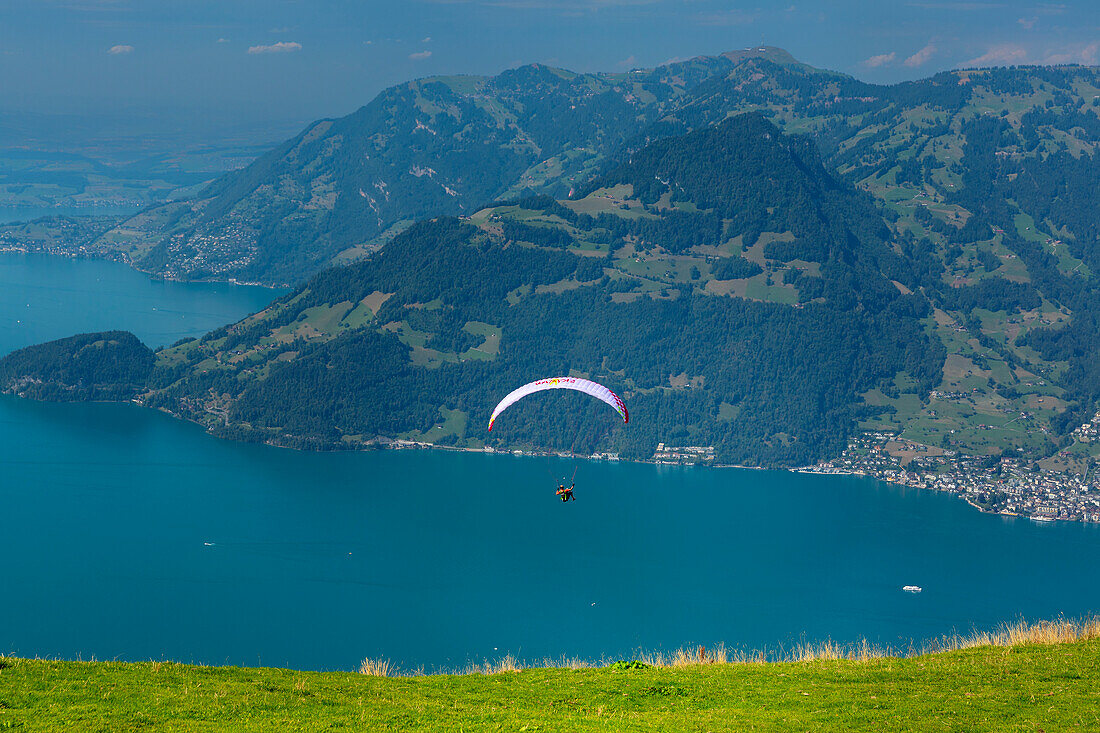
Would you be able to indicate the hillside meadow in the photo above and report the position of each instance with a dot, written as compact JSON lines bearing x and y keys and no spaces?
{"x":1041,"y":677}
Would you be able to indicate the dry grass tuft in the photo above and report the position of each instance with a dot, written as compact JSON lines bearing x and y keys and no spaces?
{"x":1060,"y":631}
{"x":508,"y":663}
{"x":505,"y":664}
{"x":699,"y":655}
{"x":830,"y":651}
{"x":574,"y":663}
{"x":377,"y":667}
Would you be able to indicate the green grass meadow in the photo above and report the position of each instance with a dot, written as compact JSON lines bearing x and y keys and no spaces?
{"x":1021,"y":687}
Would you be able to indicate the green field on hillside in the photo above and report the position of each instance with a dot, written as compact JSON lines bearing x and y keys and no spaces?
{"x":1025,"y":687}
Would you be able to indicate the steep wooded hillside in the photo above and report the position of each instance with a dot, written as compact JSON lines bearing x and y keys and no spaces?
{"x":633,"y":288}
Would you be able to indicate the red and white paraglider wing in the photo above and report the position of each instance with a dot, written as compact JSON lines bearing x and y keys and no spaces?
{"x":598,"y":391}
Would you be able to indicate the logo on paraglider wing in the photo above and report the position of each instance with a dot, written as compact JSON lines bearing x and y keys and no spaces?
{"x":554,"y":381}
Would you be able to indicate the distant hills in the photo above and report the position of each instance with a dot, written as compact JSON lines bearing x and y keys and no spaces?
{"x":448,"y":145}
{"x":764,"y":256}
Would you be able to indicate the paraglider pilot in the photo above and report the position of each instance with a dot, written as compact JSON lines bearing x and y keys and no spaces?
{"x":577,"y":384}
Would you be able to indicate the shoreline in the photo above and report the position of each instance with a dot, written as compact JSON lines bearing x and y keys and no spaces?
{"x":401,"y":444}
{"x":124,"y":259}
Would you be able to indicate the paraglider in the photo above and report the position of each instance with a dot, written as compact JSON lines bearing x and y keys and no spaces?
{"x":586,"y":386}
{"x":598,"y":391}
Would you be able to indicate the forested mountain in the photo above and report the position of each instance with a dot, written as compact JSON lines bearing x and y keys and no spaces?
{"x":113,"y":365}
{"x":421,"y":339}
{"x":448,"y":145}
{"x":441,"y":145}
{"x":917,"y":257}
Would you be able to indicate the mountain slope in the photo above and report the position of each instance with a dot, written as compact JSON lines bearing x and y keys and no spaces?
{"x":447,"y":145}
{"x":981,"y":185}
{"x":420,"y":340}
{"x":441,"y":145}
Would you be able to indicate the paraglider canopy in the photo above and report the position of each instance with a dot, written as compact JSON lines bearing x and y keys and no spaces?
{"x":598,"y":391}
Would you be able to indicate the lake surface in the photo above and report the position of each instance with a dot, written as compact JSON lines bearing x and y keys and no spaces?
{"x":43,"y":297}
{"x":127,"y":534}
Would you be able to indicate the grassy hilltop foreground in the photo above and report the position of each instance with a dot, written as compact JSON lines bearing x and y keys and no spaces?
{"x":1022,"y":679}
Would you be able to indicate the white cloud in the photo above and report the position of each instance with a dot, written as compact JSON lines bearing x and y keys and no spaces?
{"x":922,"y":56}
{"x":628,"y":63}
{"x":880,"y":60}
{"x":420,"y":55}
{"x":426,"y":39}
{"x":1086,"y":55}
{"x":1028,"y":23}
{"x":1002,"y":55}
{"x":223,"y":40}
{"x":280,"y":47}
{"x":1089,"y":54}
{"x":119,"y":50}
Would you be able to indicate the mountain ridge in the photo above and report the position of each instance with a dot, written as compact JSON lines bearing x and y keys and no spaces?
{"x":446,"y":145}
{"x":972,"y":206}
{"x":304,"y":205}
{"x":453,"y":313}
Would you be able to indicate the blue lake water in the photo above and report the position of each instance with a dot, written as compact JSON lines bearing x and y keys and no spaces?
{"x":44,"y":297}
{"x":127,"y":534}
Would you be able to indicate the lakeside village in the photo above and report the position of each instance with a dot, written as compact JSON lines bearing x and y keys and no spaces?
{"x":1008,"y":486}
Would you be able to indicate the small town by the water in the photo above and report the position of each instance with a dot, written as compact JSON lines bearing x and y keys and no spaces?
{"x":1001,"y":485}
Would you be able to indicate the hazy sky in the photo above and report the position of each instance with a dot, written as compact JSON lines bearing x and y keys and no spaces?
{"x":303,"y":59}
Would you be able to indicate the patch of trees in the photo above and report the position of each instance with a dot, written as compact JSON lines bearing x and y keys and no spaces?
{"x":721,"y":170}
{"x":992,"y":293}
{"x":734,"y":268}
{"x":988,"y":260}
{"x":111,"y":365}
{"x":543,"y":236}
{"x":1067,"y":119}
